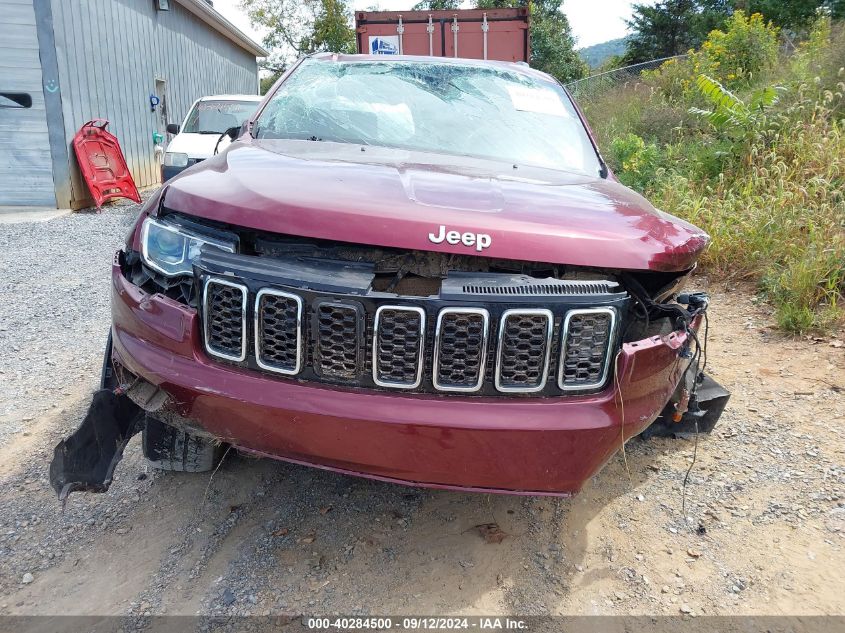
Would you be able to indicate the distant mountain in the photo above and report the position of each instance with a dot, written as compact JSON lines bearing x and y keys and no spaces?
{"x":597,"y":54}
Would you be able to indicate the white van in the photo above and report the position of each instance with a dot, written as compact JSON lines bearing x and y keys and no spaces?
{"x":202,"y":128}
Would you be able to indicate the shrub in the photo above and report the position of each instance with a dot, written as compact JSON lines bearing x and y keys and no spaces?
{"x":636,"y":160}
{"x":747,"y":48}
{"x":734,"y":117}
{"x":673,"y":79}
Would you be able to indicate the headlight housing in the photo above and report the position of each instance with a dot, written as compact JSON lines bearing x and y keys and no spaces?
{"x":175,"y":159}
{"x":171,"y":249}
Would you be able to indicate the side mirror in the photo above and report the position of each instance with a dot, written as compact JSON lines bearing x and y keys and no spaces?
{"x":233,"y":133}
{"x":18,"y":99}
{"x":172,"y":128}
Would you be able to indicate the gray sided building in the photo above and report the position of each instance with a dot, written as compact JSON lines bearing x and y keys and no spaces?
{"x":88,"y":59}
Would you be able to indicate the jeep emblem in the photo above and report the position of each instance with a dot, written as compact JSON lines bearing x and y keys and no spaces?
{"x":479,"y":240}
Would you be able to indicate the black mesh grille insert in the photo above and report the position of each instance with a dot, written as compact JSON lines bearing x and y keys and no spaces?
{"x":460,"y":350}
{"x":338,"y":335}
{"x":524,"y":342}
{"x":533,"y":289}
{"x":277,"y":332}
{"x":588,"y":335}
{"x":398,"y":346}
{"x":224,"y":319}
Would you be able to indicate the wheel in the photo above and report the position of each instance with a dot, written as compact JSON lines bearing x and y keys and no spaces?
{"x":169,"y":448}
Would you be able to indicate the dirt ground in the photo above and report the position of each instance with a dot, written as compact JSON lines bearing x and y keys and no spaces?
{"x":765,"y":532}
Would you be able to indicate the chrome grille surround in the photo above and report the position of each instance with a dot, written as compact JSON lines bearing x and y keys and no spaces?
{"x":261,"y":334}
{"x":507,"y":338}
{"x":569,"y":362}
{"x":380,"y":351}
{"x":327,"y":336}
{"x":209,"y":335}
{"x":481,"y":365}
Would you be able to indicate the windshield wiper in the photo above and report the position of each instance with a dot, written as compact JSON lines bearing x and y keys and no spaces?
{"x":209,"y":132}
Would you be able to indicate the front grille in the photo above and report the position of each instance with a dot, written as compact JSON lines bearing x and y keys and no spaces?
{"x":225,"y":319}
{"x":587,"y":336}
{"x":433,"y":346}
{"x":398,"y":346}
{"x":460,"y":350}
{"x":278,"y":331}
{"x":524,"y":347}
{"x":337,"y":337}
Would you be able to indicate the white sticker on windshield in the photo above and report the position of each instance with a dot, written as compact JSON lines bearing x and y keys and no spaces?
{"x":535,"y":99}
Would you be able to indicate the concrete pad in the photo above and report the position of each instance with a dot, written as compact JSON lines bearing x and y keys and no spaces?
{"x":18,"y":215}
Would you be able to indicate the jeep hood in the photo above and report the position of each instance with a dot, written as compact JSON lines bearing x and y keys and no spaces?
{"x":395,"y":198}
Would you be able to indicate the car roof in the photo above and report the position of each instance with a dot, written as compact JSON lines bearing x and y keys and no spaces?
{"x":255,"y":98}
{"x":517,"y":67}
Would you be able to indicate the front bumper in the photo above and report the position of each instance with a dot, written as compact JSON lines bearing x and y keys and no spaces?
{"x":528,"y":446}
{"x":169,"y":172}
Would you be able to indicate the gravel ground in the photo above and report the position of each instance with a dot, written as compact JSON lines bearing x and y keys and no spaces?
{"x":56,"y":275}
{"x":765,"y":499}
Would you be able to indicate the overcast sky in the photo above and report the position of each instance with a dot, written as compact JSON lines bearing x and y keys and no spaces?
{"x":593,"y":21}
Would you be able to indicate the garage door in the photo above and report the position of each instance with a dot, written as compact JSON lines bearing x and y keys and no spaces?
{"x":26,"y":176}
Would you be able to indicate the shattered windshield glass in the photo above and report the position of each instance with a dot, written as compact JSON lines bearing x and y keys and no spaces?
{"x":445,"y":108}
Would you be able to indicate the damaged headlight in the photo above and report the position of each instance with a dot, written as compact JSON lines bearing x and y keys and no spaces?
{"x":171,"y":250}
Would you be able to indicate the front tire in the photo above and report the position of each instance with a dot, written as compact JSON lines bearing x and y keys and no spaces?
{"x":169,"y":448}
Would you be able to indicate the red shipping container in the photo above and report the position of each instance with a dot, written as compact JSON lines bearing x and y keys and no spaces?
{"x":500,"y":34}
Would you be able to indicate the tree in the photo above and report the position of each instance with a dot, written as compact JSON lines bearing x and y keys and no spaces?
{"x":265,"y":83}
{"x":662,"y":30}
{"x":672,"y":27}
{"x":331,"y":30}
{"x":552,"y":45}
{"x":437,"y":5}
{"x":499,"y":4}
{"x":792,"y":14}
{"x":712,"y":15}
{"x":300,"y":27}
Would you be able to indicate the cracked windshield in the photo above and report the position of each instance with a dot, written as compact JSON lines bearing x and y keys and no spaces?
{"x":457,"y":109}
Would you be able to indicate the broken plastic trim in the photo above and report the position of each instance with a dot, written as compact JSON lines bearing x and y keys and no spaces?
{"x":705,"y":410}
{"x":701,"y":416}
{"x":86,"y":460}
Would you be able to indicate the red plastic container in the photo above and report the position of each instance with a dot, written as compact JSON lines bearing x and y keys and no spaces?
{"x":500,"y":34}
{"x":102,"y":164}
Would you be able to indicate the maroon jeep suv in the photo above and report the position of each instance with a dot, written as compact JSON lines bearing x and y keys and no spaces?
{"x":411,"y":269}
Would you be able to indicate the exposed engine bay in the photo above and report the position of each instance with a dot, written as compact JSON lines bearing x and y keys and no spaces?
{"x":403,"y":272}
